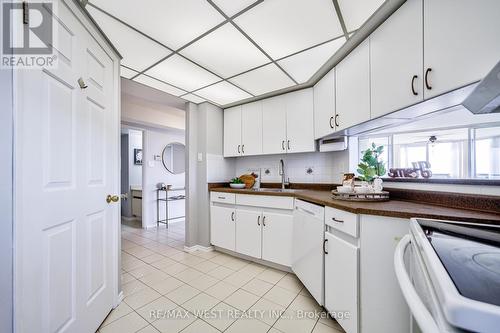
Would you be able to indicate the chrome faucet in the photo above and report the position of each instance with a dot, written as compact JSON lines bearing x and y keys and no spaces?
{"x":282,"y":174}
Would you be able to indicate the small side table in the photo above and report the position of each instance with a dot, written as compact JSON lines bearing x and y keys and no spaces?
{"x":167,"y":198}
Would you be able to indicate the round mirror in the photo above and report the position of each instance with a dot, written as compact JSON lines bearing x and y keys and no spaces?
{"x":173,"y":158}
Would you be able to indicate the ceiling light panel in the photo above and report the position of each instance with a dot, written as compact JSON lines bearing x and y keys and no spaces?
{"x":171,"y":22}
{"x":356,"y":12}
{"x":232,"y":7}
{"x":282,"y":27}
{"x":138,"y":51}
{"x":127,"y":72}
{"x":303,"y":65}
{"x":182,"y":73}
{"x":223,"y":93}
{"x":262,"y":80}
{"x":226,"y":52}
{"x":153,"y":83}
{"x":193,"y":98}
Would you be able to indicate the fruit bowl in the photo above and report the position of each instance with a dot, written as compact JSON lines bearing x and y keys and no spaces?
{"x":240,"y":186}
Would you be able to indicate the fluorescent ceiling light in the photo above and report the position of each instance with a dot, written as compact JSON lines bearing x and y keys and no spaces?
{"x":223,"y":93}
{"x":262,"y":80}
{"x":150,"y":82}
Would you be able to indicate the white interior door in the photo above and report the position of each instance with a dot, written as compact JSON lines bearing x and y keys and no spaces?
{"x":66,"y":157}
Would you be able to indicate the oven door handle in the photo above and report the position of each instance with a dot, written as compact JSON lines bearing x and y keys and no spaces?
{"x":418,"y":310}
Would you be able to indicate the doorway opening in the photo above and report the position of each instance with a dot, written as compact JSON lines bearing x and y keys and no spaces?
{"x":153,"y":177}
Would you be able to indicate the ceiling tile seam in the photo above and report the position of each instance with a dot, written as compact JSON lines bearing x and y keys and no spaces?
{"x":310,"y":47}
{"x":341,"y":18}
{"x":130,"y":26}
{"x":250,"y":39}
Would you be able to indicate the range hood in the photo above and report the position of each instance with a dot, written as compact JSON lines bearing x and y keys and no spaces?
{"x":485,"y":98}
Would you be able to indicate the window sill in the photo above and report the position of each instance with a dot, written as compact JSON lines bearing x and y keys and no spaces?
{"x":487,"y":182}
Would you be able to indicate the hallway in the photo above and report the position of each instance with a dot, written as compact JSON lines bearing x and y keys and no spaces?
{"x":168,"y":290}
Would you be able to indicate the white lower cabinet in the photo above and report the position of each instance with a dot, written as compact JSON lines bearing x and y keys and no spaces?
{"x":277,"y":238}
{"x":253,"y":225}
{"x":249,"y":232}
{"x":222,"y":226}
{"x":341,"y":281}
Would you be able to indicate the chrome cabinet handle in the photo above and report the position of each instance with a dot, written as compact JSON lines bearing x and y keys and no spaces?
{"x":264,"y":221}
{"x":427,"y":85}
{"x":239,"y":152}
{"x":336,"y":122}
{"x":288,"y":145}
{"x":338,"y":221}
{"x":324,"y":246}
{"x":283,"y":145}
{"x":243,"y":149}
{"x":413,"y":85}
{"x":232,"y":216}
{"x":331,"y":119}
{"x":258,"y":220}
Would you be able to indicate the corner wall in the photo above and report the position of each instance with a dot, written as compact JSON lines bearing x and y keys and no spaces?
{"x":6,"y":202}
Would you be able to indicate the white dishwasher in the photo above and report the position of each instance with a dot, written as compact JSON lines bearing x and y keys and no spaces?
{"x":307,"y":250}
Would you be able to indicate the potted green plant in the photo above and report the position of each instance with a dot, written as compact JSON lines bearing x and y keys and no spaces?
{"x":237,"y":183}
{"x":371,"y":165}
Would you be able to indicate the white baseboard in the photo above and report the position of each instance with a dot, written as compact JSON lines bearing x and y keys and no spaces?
{"x":198,"y":248}
{"x":121,"y":296}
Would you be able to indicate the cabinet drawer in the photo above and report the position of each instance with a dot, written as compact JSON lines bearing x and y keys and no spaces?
{"x":222,"y":197}
{"x":265,"y":201}
{"x":342,"y":221}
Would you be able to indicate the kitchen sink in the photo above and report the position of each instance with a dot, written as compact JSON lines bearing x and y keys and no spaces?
{"x":280,"y":190}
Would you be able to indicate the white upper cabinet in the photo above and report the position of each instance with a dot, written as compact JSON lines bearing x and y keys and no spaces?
{"x":251,"y":128}
{"x":232,"y":132}
{"x":353,"y":88}
{"x":274,"y":125}
{"x":299,"y":121}
{"x":462,"y":42}
{"x":324,"y":106}
{"x":396,"y":56}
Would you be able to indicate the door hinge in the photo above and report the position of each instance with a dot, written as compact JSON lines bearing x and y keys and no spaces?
{"x":26,"y":13}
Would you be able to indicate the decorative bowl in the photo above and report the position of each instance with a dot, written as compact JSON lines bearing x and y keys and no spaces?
{"x":240,"y":186}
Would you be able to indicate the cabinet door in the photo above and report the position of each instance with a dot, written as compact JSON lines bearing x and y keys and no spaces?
{"x":249,"y":232}
{"x":222,"y":227}
{"x":396,"y":57}
{"x":324,"y":105}
{"x":251,"y":128}
{"x":277,"y":238}
{"x":232,"y":131}
{"x":461,"y":40}
{"x":274,"y":125}
{"x":300,"y":121}
{"x":352,"y":87}
{"x":341,"y":290}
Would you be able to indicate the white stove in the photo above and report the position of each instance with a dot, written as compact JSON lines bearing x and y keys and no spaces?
{"x":449,"y":273}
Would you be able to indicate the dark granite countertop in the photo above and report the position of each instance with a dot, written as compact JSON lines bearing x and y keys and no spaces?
{"x":391,"y":208}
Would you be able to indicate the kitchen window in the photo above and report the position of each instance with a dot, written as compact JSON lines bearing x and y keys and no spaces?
{"x":461,"y":153}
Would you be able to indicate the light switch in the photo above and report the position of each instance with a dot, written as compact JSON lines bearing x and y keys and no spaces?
{"x":200,"y":157}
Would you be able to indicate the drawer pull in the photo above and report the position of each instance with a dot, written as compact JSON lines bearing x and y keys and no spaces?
{"x":338,"y":221}
{"x":223,"y":198}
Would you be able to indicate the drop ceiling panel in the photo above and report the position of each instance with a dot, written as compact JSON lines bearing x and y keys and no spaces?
{"x":127,"y":72}
{"x":193,"y":98}
{"x":231,"y":7}
{"x":153,"y":83}
{"x":171,"y":22}
{"x":223,"y":93}
{"x":182,"y":73}
{"x":282,"y":27}
{"x":226,"y":52}
{"x":303,"y":65}
{"x":138,"y":51}
{"x":356,"y":12}
{"x":262,"y":80}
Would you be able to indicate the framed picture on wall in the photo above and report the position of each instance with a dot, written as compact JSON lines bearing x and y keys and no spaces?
{"x":138,"y":156}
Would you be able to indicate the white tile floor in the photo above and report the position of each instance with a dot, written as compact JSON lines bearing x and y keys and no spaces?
{"x":168,"y":290}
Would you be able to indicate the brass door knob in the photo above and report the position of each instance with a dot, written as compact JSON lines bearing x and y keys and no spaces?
{"x":112,"y":198}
